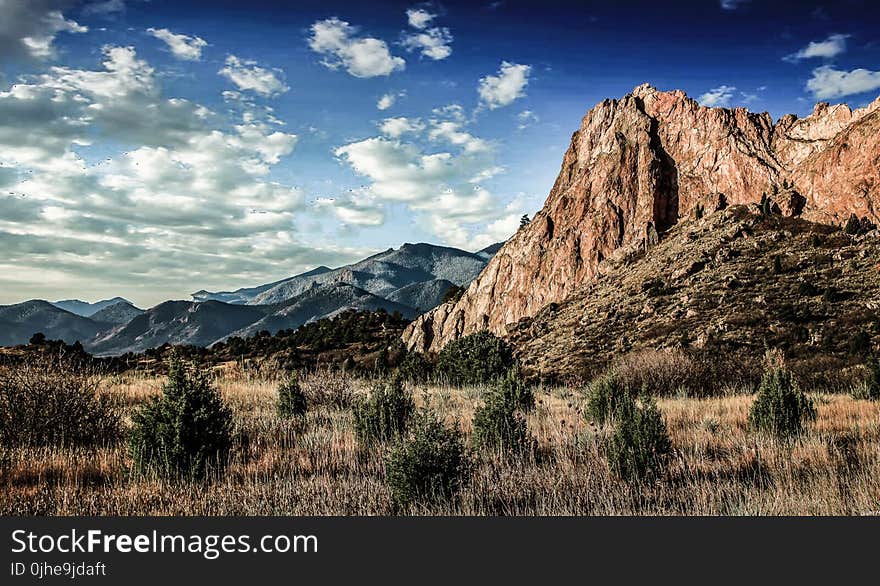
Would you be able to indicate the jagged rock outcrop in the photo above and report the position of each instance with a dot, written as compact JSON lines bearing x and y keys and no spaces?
{"x":639,"y":164}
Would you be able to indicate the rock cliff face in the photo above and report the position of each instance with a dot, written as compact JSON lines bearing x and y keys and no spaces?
{"x":639,"y":164}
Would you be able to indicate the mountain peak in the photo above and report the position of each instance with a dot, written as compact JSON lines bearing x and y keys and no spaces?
{"x":635,"y":168}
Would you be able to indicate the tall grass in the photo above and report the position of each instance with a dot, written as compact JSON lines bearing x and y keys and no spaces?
{"x":315,"y":467}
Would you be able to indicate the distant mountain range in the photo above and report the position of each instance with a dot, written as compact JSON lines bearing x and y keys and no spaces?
{"x":411,"y":279}
{"x":85,"y":309}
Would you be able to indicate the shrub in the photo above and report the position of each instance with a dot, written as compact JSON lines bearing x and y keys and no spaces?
{"x":55,"y":401}
{"x":474,"y":359}
{"x":428,"y":464}
{"x":513,"y":389}
{"x":780,"y":408}
{"x":860,"y":344}
{"x":291,"y":398}
{"x":184,"y":432}
{"x":385,"y":414}
{"x":604,"y":396}
{"x":639,"y":445}
{"x":869,"y":389}
{"x":415,"y":368}
{"x":672,"y":370}
{"x":500,"y":426}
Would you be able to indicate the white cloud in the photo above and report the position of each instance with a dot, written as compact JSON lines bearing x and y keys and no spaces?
{"x":828,"y":82}
{"x":182,"y":46}
{"x":419,"y":18}
{"x":505,"y":87}
{"x":28,"y":28}
{"x":526,"y":118}
{"x":717,"y":97}
{"x":440,"y":178}
{"x":831,"y":47}
{"x":433,"y":42}
{"x":187,"y":199}
{"x":386,"y":101}
{"x":359,"y":56}
{"x":248,"y":76}
{"x":359,"y":208}
{"x":397,"y":127}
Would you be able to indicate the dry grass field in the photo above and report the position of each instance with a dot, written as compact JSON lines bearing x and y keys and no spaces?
{"x":282,"y":467}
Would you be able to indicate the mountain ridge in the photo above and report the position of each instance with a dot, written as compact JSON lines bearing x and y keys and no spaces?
{"x":636,"y":167}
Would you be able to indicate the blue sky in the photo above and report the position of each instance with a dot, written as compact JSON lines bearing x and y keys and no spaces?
{"x":152,"y":148}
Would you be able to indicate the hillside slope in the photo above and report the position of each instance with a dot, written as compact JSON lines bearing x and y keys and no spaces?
{"x":20,"y":321}
{"x":734,"y":281}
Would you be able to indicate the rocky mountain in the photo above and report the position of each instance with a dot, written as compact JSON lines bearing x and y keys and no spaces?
{"x":176,"y":322}
{"x":386,"y":272}
{"x":244,"y":295}
{"x":85,"y":309}
{"x":733,"y":282}
{"x":20,"y":321}
{"x":636,"y":167}
{"x":320,"y":302}
{"x":118,"y":313}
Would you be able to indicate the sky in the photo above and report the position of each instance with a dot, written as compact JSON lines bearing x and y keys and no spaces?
{"x":153,"y":148}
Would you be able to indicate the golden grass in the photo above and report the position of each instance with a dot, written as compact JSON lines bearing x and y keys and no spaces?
{"x":280,"y":467}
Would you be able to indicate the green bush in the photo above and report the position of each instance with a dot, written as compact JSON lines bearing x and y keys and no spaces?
{"x":428,"y":464}
{"x":604,"y":396}
{"x":514,"y":389}
{"x":291,"y":399}
{"x":639,"y":445}
{"x":780,"y":407}
{"x":186,"y":431}
{"x":384,"y":415}
{"x":415,"y":368}
{"x":870,"y":387}
{"x":474,"y":359}
{"x":55,"y":401}
{"x":500,"y":425}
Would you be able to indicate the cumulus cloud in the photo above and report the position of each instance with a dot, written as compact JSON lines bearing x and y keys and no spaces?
{"x":182,"y":46}
{"x":831,"y":47}
{"x":397,"y":127}
{"x":386,"y":101}
{"x":248,"y":76}
{"x":360,"y":56}
{"x":419,"y":18}
{"x":440,"y":174}
{"x":504,"y":88}
{"x":717,"y":97}
{"x":359,"y":208}
{"x":188,"y":199}
{"x":432,"y":42}
{"x":28,"y":28}
{"x":828,"y":82}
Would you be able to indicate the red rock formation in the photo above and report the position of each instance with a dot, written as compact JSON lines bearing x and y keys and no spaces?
{"x":636,"y":166}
